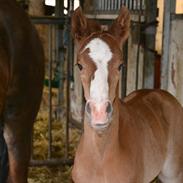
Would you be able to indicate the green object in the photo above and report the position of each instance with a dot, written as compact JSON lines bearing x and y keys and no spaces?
{"x":54,"y":83}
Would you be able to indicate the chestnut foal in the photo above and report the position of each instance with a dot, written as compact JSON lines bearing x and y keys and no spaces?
{"x":130,"y":141}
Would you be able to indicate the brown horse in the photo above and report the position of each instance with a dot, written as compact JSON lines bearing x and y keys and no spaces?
{"x":130,"y":141}
{"x":21,"y":83}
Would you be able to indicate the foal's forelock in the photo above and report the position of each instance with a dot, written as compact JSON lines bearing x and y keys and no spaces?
{"x":100,"y":53}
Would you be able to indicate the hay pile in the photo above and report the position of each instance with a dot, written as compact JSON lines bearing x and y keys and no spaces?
{"x":40,"y":147}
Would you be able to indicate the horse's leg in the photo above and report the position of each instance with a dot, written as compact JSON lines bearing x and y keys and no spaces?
{"x":18,"y":140}
{"x":3,"y":89}
{"x":3,"y":157}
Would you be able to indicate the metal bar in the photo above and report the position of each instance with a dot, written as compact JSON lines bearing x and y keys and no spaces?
{"x":50,"y":93}
{"x":122,"y":2}
{"x":60,"y":65}
{"x":57,"y":42}
{"x":109,"y":5}
{"x":112,"y":4}
{"x":59,"y":8}
{"x":99,"y":5}
{"x":47,"y":20}
{"x":102,"y":5}
{"x":124,"y":71}
{"x":115,"y":5}
{"x":150,"y":37}
{"x":129,"y":1}
{"x":71,"y":5}
{"x":32,"y":144}
{"x":68,"y":99}
{"x":119,"y":4}
{"x":51,"y":162}
{"x":68,"y":5}
{"x":132,"y":4}
{"x":135,"y":5}
{"x":138,"y":47}
{"x":141,"y":6}
{"x":58,"y":21}
{"x":105,"y":5}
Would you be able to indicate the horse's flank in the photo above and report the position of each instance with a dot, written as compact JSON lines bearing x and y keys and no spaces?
{"x":21,"y":83}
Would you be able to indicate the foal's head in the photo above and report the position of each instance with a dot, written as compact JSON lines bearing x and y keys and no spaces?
{"x":99,"y":60}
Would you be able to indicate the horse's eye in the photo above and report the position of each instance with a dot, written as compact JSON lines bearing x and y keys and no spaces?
{"x":120,"y":67}
{"x":80,"y":66}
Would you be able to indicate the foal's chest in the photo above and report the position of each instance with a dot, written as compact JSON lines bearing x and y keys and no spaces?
{"x":108,"y":173}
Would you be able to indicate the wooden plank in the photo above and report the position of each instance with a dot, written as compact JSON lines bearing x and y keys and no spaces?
{"x":169,"y":6}
{"x":175,"y":68}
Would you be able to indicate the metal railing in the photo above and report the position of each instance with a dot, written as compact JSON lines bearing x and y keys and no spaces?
{"x":56,"y":58}
{"x":114,"y":5}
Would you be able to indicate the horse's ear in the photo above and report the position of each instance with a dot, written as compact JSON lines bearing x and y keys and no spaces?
{"x":81,"y":26}
{"x":121,"y":25}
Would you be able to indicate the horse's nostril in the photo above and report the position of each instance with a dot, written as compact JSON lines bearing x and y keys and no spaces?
{"x":88,"y":108}
{"x":109,"y":108}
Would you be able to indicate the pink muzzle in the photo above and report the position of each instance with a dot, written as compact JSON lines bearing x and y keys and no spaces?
{"x":99,"y":114}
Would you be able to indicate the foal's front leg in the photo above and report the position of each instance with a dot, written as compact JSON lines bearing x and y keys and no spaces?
{"x":18,"y":139}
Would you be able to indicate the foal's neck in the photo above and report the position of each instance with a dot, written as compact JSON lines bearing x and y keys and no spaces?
{"x":99,"y":142}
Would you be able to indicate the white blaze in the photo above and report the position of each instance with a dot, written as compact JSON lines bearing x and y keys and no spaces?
{"x":101,"y":54}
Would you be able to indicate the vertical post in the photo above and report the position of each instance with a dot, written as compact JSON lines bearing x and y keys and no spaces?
{"x":132,"y":4}
{"x":71,"y":7}
{"x":138,"y":46}
{"x":124,"y":71}
{"x":169,"y":7}
{"x":50,"y":94}
{"x":150,"y":36}
{"x":69,"y":61}
{"x":59,"y":12}
{"x":59,"y":8}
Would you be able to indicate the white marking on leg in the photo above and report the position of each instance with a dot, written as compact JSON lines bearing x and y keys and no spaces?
{"x":101,"y":54}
